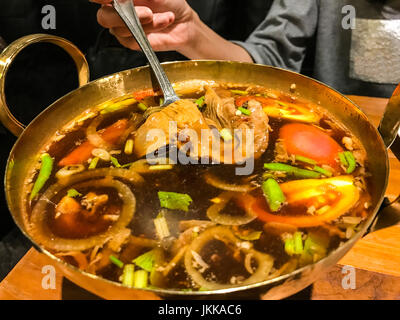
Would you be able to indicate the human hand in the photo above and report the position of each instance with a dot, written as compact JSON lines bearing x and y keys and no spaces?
{"x":167,"y":23}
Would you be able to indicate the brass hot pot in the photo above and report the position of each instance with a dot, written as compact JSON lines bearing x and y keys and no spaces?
{"x":38,"y":132}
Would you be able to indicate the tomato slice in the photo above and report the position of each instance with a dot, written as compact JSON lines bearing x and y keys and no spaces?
{"x":311,"y":142}
{"x":339,"y":192}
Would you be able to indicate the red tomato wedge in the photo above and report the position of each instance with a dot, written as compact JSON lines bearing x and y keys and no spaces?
{"x":83,"y":152}
{"x":311,"y":142}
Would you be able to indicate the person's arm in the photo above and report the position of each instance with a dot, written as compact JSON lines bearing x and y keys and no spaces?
{"x":281,"y":39}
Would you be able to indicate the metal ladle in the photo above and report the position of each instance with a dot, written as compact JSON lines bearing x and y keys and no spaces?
{"x":127,"y":12}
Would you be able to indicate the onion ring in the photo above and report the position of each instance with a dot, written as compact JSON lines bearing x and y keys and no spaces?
{"x":217,"y":183}
{"x":215,"y":215}
{"x":40,"y":231}
{"x":265,"y":261}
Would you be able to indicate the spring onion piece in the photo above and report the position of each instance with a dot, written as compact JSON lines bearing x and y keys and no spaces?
{"x":128,"y":275}
{"x":158,"y":167}
{"x":298,"y":243}
{"x":299,"y":173}
{"x":323,"y":171}
{"x":305,"y":160}
{"x":118,"y":105}
{"x":174,"y":201}
{"x":226,"y":135}
{"x":115,"y":162}
{"x":289,"y":246}
{"x":241,"y":92}
{"x":142,"y":106}
{"x":161,"y":101}
{"x":141,"y":279}
{"x":44,"y":174}
{"x":245,"y":111}
{"x":73,"y":193}
{"x":128,"y":146}
{"x":93,"y":163}
{"x":351,"y":161}
{"x":116,"y":261}
{"x":200,"y":101}
{"x":145,"y":261}
{"x":160,"y":223}
{"x":343,"y":159}
{"x":273,"y":194}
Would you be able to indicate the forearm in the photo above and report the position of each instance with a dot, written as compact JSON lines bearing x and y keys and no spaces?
{"x":207,"y":44}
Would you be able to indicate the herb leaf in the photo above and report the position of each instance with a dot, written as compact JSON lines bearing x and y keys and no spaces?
{"x":174,"y":201}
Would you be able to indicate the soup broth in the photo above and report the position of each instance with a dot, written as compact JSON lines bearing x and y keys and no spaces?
{"x":183,"y":218}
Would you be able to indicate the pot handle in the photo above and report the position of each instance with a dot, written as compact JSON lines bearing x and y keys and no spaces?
{"x":7,"y":57}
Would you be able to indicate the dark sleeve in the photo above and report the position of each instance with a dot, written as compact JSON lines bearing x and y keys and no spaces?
{"x":281,"y":39}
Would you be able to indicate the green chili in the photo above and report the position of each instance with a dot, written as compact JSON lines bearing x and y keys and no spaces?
{"x":299,"y":173}
{"x":44,"y":174}
{"x":273,"y":194}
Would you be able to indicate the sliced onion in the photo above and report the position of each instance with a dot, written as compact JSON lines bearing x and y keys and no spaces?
{"x":218,"y":183}
{"x":265,"y":262}
{"x":93,"y":137}
{"x":40,"y":231}
{"x":68,"y":171}
{"x":128,"y":175}
{"x":143,"y":166}
{"x":216,"y":215}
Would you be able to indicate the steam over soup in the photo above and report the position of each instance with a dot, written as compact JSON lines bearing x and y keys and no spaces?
{"x":158,"y":198}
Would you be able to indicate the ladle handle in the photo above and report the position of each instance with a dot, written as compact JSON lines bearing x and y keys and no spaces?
{"x":127,"y":12}
{"x":7,"y":58}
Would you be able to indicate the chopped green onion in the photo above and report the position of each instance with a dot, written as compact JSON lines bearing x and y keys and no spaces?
{"x":162,"y":230}
{"x":145,"y":261}
{"x":174,"y":201}
{"x":343,"y":159}
{"x":273,"y":193}
{"x":298,"y":243}
{"x":245,"y":111}
{"x":142,"y":106}
{"x":241,"y":92}
{"x":44,"y":174}
{"x":128,"y":146}
{"x":203,"y":289}
{"x":200,"y":101}
{"x":116,"y":261}
{"x":226,"y":134}
{"x":300,"y":173}
{"x":305,"y":160}
{"x":118,"y":105}
{"x":127,"y":165}
{"x":141,"y":279}
{"x":289,"y":246}
{"x":93,"y":163}
{"x":323,"y":171}
{"x":161,"y":101}
{"x":128,"y":275}
{"x":73,"y":193}
{"x":351,"y":161}
{"x":115,"y":162}
{"x":158,"y":167}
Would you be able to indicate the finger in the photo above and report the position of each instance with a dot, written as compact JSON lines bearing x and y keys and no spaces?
{"x":129,"y":42}
{"x":159,"y":23}
{"x":107,"y":17}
